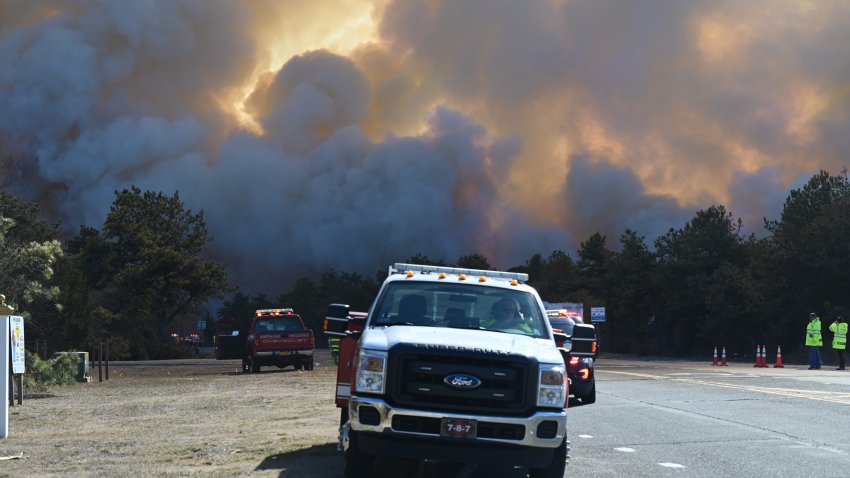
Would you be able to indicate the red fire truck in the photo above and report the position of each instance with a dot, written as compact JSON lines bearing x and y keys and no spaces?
{"x":276,"y":337}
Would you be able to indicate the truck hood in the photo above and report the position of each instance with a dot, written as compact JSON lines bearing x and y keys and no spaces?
{"x":383,"y":338}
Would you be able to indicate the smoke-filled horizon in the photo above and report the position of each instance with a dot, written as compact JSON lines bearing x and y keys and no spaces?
{"x":353,"y":133}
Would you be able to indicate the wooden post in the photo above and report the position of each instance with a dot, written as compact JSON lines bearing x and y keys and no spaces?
{"x":107,"y":357}
{"x":100,"y":361}
{"x":20,"y":389}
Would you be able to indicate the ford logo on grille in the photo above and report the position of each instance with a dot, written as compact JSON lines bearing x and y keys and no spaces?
{"x":462,"y":381}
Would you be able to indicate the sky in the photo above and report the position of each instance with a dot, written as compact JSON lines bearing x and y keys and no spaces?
{"x":350,"y":134}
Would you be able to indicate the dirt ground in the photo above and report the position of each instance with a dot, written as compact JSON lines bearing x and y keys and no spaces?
{"x":180,"y":418}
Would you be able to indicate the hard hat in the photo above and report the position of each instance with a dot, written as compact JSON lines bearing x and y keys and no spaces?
{"x":812,"y":315}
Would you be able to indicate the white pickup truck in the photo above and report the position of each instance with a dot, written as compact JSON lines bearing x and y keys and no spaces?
{"x":455,"y":365}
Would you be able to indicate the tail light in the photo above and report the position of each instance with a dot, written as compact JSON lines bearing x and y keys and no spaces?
{"x":585,"y":373}
{"x":574,"y":361}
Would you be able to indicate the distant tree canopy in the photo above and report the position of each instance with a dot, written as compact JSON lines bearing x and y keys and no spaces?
{"x":698,"y":286}
{"x":29,"y":251}
{"x":144,"y":272}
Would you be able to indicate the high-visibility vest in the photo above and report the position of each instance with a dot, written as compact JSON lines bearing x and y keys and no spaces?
{"x":813,"y":336}
{"x":839,"y":340}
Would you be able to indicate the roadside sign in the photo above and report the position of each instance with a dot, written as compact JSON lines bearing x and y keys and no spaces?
{"x":597,"y":314}
{"x":4,"y":376}
{"x":202,"y":325}
{"x":16,"y":336}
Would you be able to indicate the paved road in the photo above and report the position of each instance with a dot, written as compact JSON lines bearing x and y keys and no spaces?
{"x":670,"y":418}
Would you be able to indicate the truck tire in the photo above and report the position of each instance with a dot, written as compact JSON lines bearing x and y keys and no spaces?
{"x":557,"y":467}
{"x":255,"y":365}
{"x":308,"y":365}
{"x":357,"y":463}
{"x":591,"y":396}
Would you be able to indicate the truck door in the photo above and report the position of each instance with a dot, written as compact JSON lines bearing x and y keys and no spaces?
{"x":229,"y":341}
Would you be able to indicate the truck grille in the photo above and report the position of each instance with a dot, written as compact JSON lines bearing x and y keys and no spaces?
{"x":415,"y":379}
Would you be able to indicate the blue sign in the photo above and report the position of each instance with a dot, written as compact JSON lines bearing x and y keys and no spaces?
{"x":597,"y":314}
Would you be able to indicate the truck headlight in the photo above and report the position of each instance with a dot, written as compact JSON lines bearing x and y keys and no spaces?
{"x":371,"y":372}
{"x":552,"y":386}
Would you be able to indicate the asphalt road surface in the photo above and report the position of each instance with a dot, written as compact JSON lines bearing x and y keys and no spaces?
{"x":652,"y":418}
{"x":671,"y":418}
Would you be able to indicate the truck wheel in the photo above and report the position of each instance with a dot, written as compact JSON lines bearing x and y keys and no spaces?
{"x":308,"y":365}
{"x":591,"y":396}
{"x":357,"y":463}
{"x":557,"y":467}
{"x":255,"y":365}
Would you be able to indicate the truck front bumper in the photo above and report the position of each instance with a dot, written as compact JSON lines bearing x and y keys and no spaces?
{"x":511,"y":440}
{"x":284,"y":353}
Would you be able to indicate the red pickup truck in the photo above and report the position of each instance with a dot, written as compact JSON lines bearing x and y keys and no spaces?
{"x":276,"y":337}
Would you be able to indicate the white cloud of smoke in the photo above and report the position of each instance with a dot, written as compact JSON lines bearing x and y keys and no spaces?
{"x":442,"y":127}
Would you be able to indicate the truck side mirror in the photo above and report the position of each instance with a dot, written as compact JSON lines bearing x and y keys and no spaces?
{"x":560,"y":337}
{"x":336,"y":319}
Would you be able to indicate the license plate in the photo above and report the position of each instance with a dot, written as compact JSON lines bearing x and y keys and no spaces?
{"x":458,"y":428}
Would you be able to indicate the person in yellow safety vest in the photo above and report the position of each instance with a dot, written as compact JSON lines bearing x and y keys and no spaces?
{"x":333,"y":343}
{"x":814,"y":341}
{"x":506,"y":316}
{"x":839,"y":340}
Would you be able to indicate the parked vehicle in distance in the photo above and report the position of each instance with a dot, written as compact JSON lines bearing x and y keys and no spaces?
{"x":579,"y":356}
{"x":276,"y":337}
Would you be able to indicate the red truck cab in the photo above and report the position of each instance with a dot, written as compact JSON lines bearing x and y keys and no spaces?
{"x":276,"y":337}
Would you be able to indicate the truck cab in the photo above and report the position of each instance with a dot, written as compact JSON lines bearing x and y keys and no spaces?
{"x":455,"y":365}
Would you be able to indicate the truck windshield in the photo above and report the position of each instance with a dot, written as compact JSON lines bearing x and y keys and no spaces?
{"x":278,"y":324}
{"x":430,"y":304}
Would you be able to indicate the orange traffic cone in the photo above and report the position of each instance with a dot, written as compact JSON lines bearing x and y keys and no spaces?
{"x":778,"y":357}
{"x":723,"y":360}
{"x":764,"y":357}
{"x":758,"y":356}
{"x":715,"y":357}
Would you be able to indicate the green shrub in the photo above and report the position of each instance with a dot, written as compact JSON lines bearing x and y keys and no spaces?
{"x":62,"y":369}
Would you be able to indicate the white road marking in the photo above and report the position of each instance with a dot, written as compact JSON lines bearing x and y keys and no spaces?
{"x":585,"y":436}
{"x":671,"y":465}
{"x":625,"y":450}
{"x":824,"y":396}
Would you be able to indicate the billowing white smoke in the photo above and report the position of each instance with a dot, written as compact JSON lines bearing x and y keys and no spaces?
{"x":494,"y":126}
{"x":104,"y":98}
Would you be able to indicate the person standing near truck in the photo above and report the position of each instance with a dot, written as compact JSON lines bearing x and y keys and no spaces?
{"x":814,"y":341}
{"x":839,"y":340}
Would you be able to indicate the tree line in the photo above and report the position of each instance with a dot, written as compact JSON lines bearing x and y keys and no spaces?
{"x":146,"y":272}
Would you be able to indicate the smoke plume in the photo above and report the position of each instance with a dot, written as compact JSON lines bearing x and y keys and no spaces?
{"x":353,"y":133}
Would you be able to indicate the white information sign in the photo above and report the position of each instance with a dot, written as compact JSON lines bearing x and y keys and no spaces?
{"x":597,"y":314}
{"x":16,"y":336}
{"x":4,"y":376}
